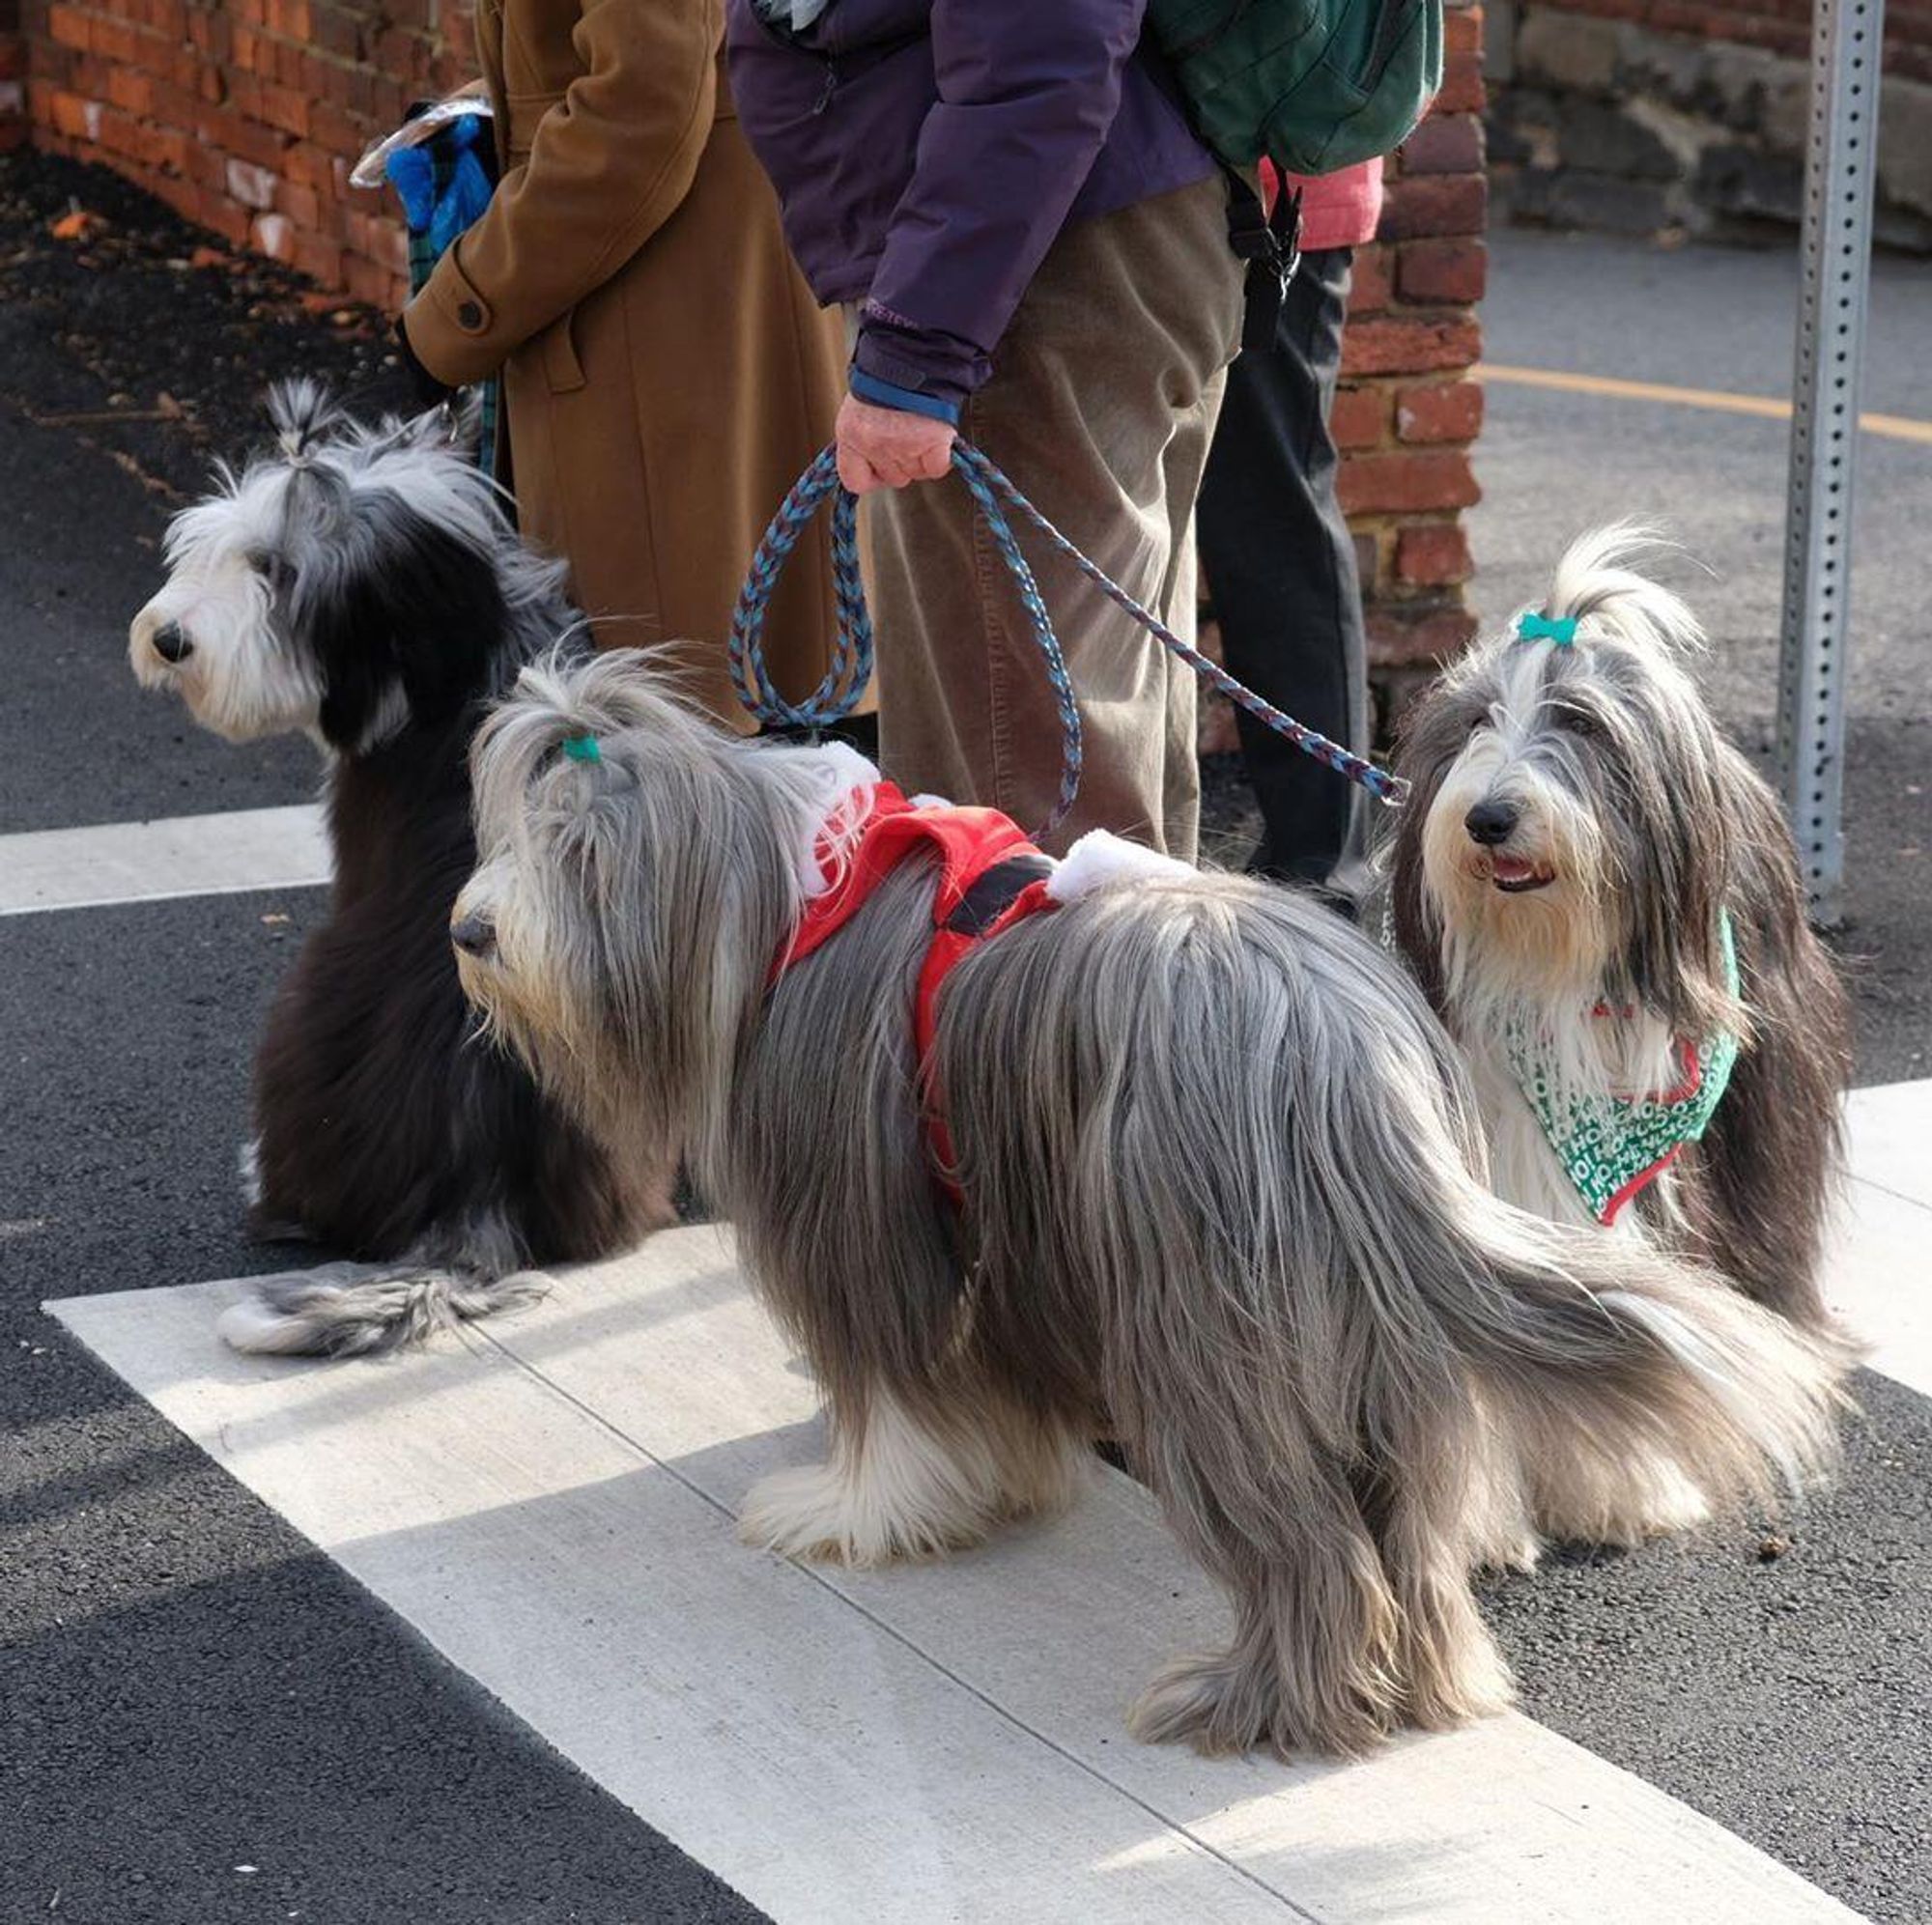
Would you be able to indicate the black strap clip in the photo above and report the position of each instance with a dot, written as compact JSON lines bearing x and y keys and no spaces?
{"x":1270,"y":243}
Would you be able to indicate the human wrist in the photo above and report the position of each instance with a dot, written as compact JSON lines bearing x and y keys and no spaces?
{"x":908,"y":401}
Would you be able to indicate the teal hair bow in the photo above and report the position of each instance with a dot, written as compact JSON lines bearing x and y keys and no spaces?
{"x":583,"y":749}
{"x":1559,"y":629}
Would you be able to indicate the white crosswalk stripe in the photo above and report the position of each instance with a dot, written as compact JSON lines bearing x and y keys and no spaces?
{"x":157,"y":861}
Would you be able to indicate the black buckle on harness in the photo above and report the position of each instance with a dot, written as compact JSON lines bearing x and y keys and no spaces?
{"x":1270,"y":243}
{"x":990,"y":894}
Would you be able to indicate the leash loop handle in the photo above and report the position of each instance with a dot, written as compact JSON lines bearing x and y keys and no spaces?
{"x":844,"y":682}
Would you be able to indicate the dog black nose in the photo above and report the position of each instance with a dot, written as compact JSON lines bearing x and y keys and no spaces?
{"x":1490,"y":822}
{"x":473,"y":935}
{"x":170,"y":643}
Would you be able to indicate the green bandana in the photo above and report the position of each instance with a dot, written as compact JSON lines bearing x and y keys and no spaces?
{"x":1612,"y":1148}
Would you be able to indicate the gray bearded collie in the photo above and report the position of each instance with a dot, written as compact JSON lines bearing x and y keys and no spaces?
{"x":1602,"y":900}
{"x":1214,"y":1183}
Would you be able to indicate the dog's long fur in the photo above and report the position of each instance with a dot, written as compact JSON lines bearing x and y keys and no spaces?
{"x":1222,"y":1183}
{"x":361,"y":586}
{"x":1650,"y":825}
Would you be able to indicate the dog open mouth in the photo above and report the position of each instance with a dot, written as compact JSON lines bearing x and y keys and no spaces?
{"x":1514,"y":875}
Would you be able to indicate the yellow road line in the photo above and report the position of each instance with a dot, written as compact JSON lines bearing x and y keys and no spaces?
{"x":1894,"y":427}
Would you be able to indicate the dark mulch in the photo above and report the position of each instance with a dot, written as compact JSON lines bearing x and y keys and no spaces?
{"x":155,"y":339}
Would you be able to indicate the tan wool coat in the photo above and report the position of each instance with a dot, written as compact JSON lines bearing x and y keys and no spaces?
{"x":667,"y":373}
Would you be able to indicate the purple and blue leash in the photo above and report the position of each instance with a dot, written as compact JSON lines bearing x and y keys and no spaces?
{"x":851,"y":668}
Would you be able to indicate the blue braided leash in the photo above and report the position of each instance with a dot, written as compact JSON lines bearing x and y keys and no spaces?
{"x":851,"y":667}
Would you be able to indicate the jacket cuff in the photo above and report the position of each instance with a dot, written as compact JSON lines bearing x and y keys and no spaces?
{"x":918,"y":362}
{"x":452,"y":327}
{"x":883,"y":394}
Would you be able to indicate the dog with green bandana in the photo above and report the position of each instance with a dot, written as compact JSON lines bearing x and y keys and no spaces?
{"x":1602,"y":899}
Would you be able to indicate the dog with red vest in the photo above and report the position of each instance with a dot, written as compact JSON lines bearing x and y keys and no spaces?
{"x":1018,"y":1149}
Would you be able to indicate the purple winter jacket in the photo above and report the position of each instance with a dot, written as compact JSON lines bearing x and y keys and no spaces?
{"x":927,"y":151}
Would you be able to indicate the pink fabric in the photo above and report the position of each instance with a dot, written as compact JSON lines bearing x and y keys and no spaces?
{"x":1337,"y":210}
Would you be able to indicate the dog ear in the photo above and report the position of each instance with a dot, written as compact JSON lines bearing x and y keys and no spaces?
{"x":396,"y":600}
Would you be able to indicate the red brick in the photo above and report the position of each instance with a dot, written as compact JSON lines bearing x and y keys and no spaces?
{"x":1443,"y":272}
{"x":1462,"y":30}
{"x":1359,"y":417}
{"x":224,"y":216}
{"x":1405,"y":481}
{"x":72,"y":116}
{"x":285,"y":108}
{"x":131,"y":92}
{"x":1400,"y":637}
{"x":1462,"y":90}
{"x":115,"y":40}
{"x":68,"y":26}
{"x":173,"y":151}
{"x":1434,"y":555}
{"x":1433,"y":204}
{"x":302,"y":205}
{"x":1444,"y":144}
{"x":335,"y":30}
{"x":319,"y":258}
{"x":334,"y":130}
{"x":1413,"y":344}
{"x":1369,"y":288}
{"x":1442,"y":411}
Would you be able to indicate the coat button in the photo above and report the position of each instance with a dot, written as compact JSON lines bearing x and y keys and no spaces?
{"x":470,"y":315}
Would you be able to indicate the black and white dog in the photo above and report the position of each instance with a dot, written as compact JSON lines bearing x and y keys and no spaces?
{"x":1602,"y":898}
{"x":361,"y":586}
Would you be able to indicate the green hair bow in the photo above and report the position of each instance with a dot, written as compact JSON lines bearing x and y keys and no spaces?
{"x":1559,"y":629}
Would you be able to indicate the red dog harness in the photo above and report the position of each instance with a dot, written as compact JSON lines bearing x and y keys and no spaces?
{"x":990,"y":877}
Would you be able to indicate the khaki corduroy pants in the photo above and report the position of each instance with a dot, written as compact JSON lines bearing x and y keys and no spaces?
{"x":1101,"y":408}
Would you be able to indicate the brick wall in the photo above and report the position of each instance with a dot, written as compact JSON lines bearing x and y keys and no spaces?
{"x":1648,"y":116}
{"x":1409,"y":407}
{"x":246,"y":115}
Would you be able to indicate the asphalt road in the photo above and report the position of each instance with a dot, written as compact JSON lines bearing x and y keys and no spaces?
{"x":187,"y":1689}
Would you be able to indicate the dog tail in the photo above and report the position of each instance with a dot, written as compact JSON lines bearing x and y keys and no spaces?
{"x":1635,"y":1391}
{"x":354,"y":1309}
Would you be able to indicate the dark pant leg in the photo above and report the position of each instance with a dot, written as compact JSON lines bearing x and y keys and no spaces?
{"x":1281,"y":574}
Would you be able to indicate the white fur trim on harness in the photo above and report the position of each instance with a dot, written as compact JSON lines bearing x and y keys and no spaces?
{"x":1099,"y":861}
{"x":845,"y":780}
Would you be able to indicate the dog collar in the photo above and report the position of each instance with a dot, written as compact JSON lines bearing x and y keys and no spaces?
{"x":1612,"y":1149}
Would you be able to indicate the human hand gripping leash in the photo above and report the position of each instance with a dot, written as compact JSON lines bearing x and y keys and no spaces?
{"x":851,"y":667}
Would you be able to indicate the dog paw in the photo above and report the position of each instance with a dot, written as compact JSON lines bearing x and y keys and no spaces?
{"x":817,"y":1514}
{"x":799,"y":1514}
{"x":1233,"y":1702}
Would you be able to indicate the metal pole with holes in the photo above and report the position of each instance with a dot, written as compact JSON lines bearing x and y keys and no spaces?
{"x":1835,"y":259}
